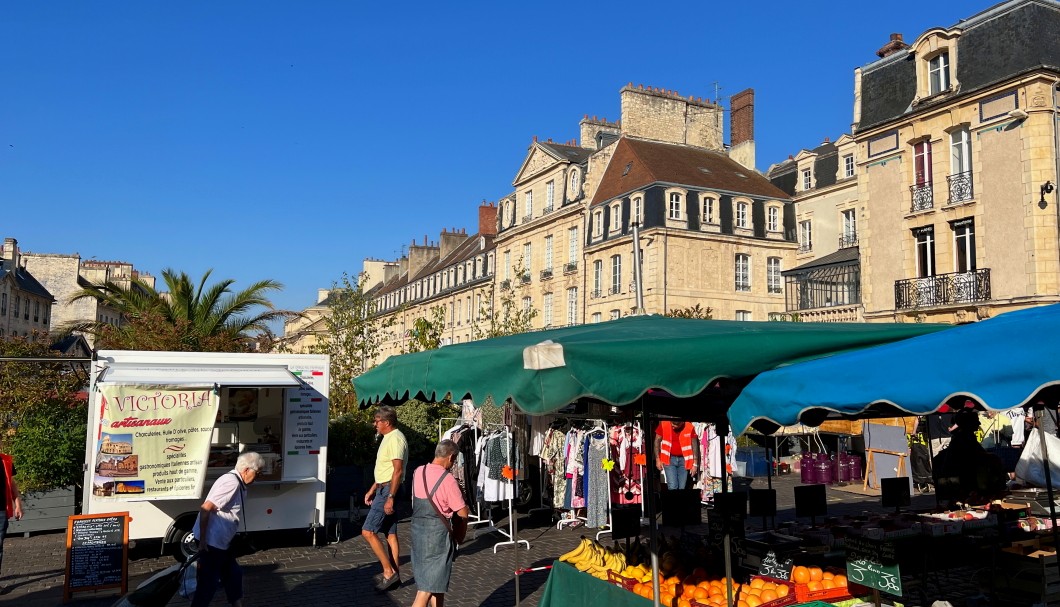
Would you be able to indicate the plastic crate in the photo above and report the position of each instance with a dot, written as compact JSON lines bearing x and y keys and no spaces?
{"x":828,"y":595}
{"x":621,"y":581}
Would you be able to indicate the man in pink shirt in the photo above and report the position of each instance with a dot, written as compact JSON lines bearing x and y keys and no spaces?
{"x":436,"y":531}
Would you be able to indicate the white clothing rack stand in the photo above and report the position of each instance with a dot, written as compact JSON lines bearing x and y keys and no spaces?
{"x":510,"y":533}
{"x":474,"y":518}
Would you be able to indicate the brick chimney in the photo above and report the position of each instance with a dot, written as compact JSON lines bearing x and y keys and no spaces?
{"x":742,"y":128}
{"x":487,"y":219}
{"x":894,"y":45}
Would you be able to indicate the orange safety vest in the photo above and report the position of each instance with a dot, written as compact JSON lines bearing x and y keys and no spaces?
{"x":666,"y":431}
{"x":9,"y":492}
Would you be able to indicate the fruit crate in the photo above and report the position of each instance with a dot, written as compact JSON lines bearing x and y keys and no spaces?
{"x":783,"y":601}
{"x":621,"y":581}
{"x":827,"y":595}
{"x":1031,"y":570}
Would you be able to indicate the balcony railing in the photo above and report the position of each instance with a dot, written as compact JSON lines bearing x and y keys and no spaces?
{"x":546,"y":274}
{"x":525,"y":279}
{"x":923,"y":197}
{"x":570,"y":268}
{"x":547,"y":210}
{"x":506,"y":284}
{"x":614,"y":290}
{"x":960,"y":186}
{"x":805,"y":247}
{"x":942,"y":289}
{"x":527,"y":218}
{"x":596,"y":294}
{"x":848,"y":240}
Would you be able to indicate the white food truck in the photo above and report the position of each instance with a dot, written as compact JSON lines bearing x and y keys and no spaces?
{"x":162,"y":426}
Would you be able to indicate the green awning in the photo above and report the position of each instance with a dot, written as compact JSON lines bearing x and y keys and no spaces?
{"x":614,"y":362}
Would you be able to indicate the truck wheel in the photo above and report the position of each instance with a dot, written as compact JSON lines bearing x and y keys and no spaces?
{"x":179,"y":540}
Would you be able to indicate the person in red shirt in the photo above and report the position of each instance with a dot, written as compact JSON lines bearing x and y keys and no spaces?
{"x":676,"y":452}
{"x":12,"y":503}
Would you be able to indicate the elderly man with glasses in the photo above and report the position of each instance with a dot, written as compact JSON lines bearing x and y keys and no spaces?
{"x":390,"y":462}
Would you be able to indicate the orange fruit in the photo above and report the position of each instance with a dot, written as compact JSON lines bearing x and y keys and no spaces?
{"x":688,"y":591}
{"x":800,"y":575}
{"x":839,"y":580}
{"x":814,"y":585}
{"x":639,"y":586}
{"x":828,"y":584}
{"x":769,"y":595}
{"x":828,"y":575}
{"x":717,"y":600}
{"x":757,"y":583}
{"x":753,"y":601}
{"x":701,"y":593}
{"x":816,"y":575}
{"x":665,"y":599}
{"x":684,"y":603}
{"x":782,"y":590}
{"x":742,"y":604}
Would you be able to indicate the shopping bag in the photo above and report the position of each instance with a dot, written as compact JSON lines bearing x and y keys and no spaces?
{"x":188,"y":579}
{"x":1030,"y":467}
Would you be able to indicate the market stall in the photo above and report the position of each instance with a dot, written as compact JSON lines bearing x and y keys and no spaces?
{"x":689,"y":368}
{"x":1008,"y":361}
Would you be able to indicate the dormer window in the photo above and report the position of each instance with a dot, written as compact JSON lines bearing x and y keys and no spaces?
{"x":675,"y":205}
{"x":807,"y":179}
{"x":636,"y":211}
{"x":616,"y":217}
{"x":939,"y":73}
{"x":574,"y":189}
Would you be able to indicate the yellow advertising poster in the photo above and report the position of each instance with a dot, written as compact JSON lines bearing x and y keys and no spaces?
{"x":152,"y":441}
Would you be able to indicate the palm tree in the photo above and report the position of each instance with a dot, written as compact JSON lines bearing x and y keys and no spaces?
{"x":185,"y":317}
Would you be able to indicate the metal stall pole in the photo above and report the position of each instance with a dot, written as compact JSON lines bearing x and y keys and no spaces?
{"x":649,"y":498}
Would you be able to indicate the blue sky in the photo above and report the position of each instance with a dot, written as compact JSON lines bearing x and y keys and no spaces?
{"x":290,"y":140}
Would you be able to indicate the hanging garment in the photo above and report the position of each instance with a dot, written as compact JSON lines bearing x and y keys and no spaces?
{"x":597,"y":492}
{"x":552,"y":456}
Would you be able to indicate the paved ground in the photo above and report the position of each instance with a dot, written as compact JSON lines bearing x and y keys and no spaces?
{"x":289,"y":573}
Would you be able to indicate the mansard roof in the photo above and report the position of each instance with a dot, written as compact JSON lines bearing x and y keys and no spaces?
{"x":573,"y":153}
{"x":467,"y":250}
{"x":995,"y":45}
{"x":637,"y":164}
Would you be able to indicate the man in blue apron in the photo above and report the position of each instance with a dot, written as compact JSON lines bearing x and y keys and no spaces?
{"x":436,"y":498}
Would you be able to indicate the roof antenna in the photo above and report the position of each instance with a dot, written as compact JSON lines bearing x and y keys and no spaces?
{"x":717,"y":92}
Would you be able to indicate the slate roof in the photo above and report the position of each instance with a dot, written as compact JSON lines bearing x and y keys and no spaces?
{"x":467,"y":249}
{"x":25,"y":282}
{"x":573,"y":153}
{"x":636,"y":164}
{"x":995,"y":45}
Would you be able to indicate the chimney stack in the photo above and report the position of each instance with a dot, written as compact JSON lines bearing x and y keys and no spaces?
{"x":487,"y":219}
{"x":894,"y":45}
{"x":742,"y":128}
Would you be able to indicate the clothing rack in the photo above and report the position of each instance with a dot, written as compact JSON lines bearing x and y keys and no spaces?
{"x":511,"y":533}
{"x":574,"y":519}
{"x":474,"y":517}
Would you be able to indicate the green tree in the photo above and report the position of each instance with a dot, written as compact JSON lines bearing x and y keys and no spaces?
{"x":186,"y":317}
{"x":696,"y":311}
{"x":504,"y":315}
{"x":42,"y":413}
{"x":352,"y":337}
{"x":427,"y":332}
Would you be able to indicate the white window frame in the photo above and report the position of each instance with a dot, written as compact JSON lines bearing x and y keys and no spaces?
{"x":573,"y":184}
{"x":550,"y":194}
{"x":806,"y":234}
{"x":772,"y":218}
{"x":548,"y":252}
{"x":598,"y":277}
{"x":773,"y":278}
{"x":528,"y":303}
{"x":964,"y":239}
{"x":807,"y":179}
{"x":674,"y":208}
{"x":598,"y":223}
{"x":848,"y":165}
{"x":596,"y":317}
{"x":939,"y":73}
{"x":616,"y":217}
{"x":850,"y":224}
{"x":925,"y":252}
{"x":528,"y":251}
{"x":743,"y":315}
{"x":615,"y":314}
{"x":547,"y":305}
{"x":710,"y":210}
{"x":572,"y":306}
{"x":742,"y":272}
{"x":572,"y":245}
{"x":740,"y":216}
{"x":507,"y":265}
{"x":636,"y":210}
{"x":960,"y":151}
{"x":616,"y":274}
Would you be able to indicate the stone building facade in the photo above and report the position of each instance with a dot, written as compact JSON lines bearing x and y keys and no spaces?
{"x":66,"y":274}
{"x":25,"y":304}
{"x":957,"y":165}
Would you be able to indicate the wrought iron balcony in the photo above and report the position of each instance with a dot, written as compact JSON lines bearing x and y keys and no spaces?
{"x":596,"y":294}
{"x":942,"y":289}
{"x":547,"y":210}
{"x":546,"y":274}
{"x":614,"y":290}
{"x":527,"y":218}
{"x":506,"y":284}
{"x":923,"y":197}
{"x":960,"y":186}
{"x":570,"y":268}
{"x":525,"y":279}
{"x":805,"y":247}
{"x":848,"y":240}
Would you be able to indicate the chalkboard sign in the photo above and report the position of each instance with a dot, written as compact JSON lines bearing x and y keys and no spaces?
{"x":770,"y":567}
{"x":873,"y":564}
{"x":97,"y":552}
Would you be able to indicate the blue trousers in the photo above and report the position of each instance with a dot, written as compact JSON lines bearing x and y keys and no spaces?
{"x":217,"y":566}
{"x":676,"y":473}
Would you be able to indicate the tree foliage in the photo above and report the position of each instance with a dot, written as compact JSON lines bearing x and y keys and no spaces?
{"x":351,"y":337}
{"x":427,"y":332}
{"x":42,"y":418}
{"x":504,"y":315}
{"x":188,"y":316}
{"x":696,"y":311}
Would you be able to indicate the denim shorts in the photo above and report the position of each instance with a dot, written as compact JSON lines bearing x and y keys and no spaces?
{"x":377,"y":520}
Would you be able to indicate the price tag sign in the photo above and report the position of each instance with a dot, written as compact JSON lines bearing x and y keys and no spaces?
{"x":873,"y":564}
{"x":780,"y":570}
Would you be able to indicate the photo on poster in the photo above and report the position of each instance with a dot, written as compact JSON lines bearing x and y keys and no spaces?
{"x":102,"y":486}
{"x":116,"y":444}
{"x":132,"y":487}
{"x":242,"y":404}
{"x":118,"y":465}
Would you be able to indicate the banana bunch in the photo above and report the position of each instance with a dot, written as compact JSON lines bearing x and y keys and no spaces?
{"x":595,"y":559}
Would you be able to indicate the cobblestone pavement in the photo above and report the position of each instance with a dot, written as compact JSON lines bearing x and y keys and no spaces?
{"x":290,"y":573}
